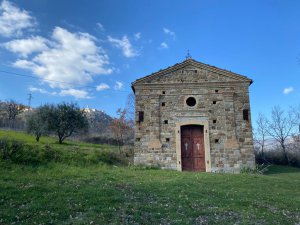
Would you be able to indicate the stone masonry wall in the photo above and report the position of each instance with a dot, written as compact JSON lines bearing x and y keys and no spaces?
{"x":220,"y":103}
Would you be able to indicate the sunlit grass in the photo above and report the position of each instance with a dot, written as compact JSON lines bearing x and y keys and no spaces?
{"x":64,"y":193}
{"x":27,"y":138}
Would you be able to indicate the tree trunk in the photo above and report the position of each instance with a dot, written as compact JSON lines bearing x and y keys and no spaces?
{"x":119,"y":147}
{"x":262,"y":154}
{"x":37,"y":138}
{"x":285,"y":154}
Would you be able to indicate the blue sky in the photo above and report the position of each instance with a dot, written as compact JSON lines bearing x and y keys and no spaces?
{"x":91,"y":51}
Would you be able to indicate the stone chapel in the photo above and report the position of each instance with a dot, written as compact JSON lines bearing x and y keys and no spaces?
{"x":193,"y":117}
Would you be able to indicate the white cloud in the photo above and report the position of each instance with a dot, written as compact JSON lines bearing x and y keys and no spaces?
{"x":41,"y":90}
{"x":125,"y":45}
{"x":100,"y":26}
{"x":137,"y":36}
{"x":169,"y":32}
{"x":24,"y":47}
{"x":163,"y":45}
{"x":13,"y":20}
{"x":24,"y":64}
{"x":288,"y":90}
{"x":79,"y":94}
{"x":118,"y":85}
{"x":102,"y":87}
{"x":70,"y":58}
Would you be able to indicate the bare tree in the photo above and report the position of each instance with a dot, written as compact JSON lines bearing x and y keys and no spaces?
{"x":281,"y":127}
{"x":295,"y":145}
{"x":13,"y":109}
{"x":261,"y":133}
{"x":130,"y":107}
{"x":119,"y":126}
{"x":296,"y":115}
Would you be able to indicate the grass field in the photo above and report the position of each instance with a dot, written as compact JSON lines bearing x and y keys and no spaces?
{"x":22,"y":148}
{"x":58,"y":193}
{"x":21,"y":136}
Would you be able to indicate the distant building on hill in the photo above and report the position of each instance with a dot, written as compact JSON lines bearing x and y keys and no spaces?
{"x":194,"y":117}
{"x":88,"y":110}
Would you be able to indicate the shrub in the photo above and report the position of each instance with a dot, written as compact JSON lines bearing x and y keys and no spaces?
{"x":146,"y":167}
{"x":18,"y":152}
{"x":28,"y":155}
{"x":21,"y":153}
{"x":9,"y":148}
{"x":259,"y":169}
{"x":51,"y":154}
{"x":109,"y":157}
{"x":100,"y":140}
{"x":275,"y":155}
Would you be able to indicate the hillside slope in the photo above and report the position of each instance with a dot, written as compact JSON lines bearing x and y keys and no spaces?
{"x":66,"y":192}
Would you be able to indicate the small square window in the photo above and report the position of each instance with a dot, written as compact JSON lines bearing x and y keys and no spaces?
{"x":216,"y":91}
{"x":163,"y":92}
{"x":214,"y":102}
{"x":166,"y":121}
{"x":216,"y":140}
{"x":246,"y":114}
{"x":167,"y":139}
{"x":163,"y":104}
{"x":137,"y":139}
{"x":214,"y":121}
{"x":141,"y":116}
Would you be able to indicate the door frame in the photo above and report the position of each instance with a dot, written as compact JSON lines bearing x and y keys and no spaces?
{"x":205,"y":125}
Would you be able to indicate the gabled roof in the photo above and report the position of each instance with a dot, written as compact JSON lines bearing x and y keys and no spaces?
{"x":192,"y":62}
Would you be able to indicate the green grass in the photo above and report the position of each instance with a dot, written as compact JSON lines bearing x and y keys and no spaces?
{"x":64,"y":194}
{"x":30,"y":139}
{"x":22,"y":148}
{"x":58,"y":193}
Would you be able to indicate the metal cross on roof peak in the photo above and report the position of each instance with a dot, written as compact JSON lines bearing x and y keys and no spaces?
{"x":188,"y":55}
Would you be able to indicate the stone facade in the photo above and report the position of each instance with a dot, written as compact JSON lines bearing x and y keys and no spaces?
{"x":221,"y":108}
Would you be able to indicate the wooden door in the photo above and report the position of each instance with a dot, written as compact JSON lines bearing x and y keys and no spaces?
{"x":192,"y":148}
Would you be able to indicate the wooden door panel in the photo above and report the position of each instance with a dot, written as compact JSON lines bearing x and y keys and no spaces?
{"x":196,"y":131}
{"x":199,"y":164}
{"x":192,"y":148}
{"x":187,"y":164}
{"x":186,"y":147}
{"x":198,"y":148}
{"x":186,"y":132}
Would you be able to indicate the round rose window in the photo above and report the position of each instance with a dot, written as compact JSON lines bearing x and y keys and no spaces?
{"x":191,"y":101}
